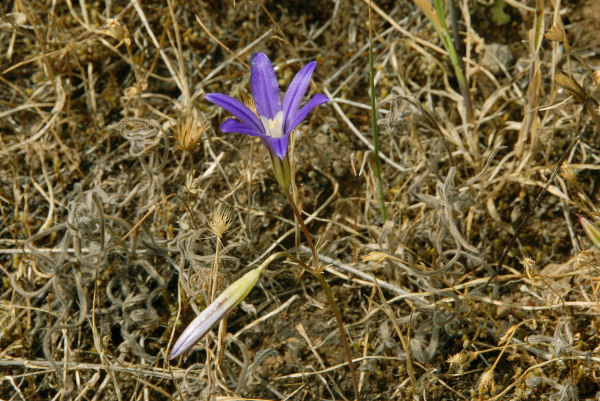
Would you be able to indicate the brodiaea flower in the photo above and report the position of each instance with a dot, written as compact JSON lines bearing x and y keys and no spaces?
{"x":276,"y":119}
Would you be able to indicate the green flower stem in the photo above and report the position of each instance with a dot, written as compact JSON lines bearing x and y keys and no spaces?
{"x":437,"y":18}
{"x":311,"y":245}
{"x":377,"y":167}
{"x":455,"y":59}
{"x":317,"y":271}
{"x":464,"y":86}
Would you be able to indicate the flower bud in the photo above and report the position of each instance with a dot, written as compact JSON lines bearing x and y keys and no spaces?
{"x":592,"y":230}
{"x":214,"y":312}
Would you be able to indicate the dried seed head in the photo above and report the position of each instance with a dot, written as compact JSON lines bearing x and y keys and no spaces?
{"x":115,"y":29}
{"x":486,"y":382}
{"x":569,"y":174}
{"x":192,"y":184}
{"x":458,"y":362}
{"x":220,"y":221}
{"x":189,"y":130}
{"x":572,"y":87}
{"x":249,"y":102}
{"x":556,"y":33}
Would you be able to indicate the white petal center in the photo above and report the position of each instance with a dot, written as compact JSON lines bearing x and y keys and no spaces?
{"x":274,"y":127}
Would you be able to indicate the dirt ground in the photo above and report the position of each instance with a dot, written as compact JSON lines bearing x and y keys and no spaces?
{"x":122,"y":202}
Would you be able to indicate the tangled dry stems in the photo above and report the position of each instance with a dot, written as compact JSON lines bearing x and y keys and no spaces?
{"x":110,"y":180}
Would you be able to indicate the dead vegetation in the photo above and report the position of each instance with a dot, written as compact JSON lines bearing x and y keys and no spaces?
{"x":122,"y":204}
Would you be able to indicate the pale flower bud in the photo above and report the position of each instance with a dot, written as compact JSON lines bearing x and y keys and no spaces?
{"x":214,"y":312}
{"x":592,"y":230}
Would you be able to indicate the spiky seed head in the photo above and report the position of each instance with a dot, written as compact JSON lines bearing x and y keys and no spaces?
{"x":486,"y":382}
{"x":569,"y":174}
{"x":220,"y":221}
{"x":249,"y":102}
{"x":458,"y":362}
{"x":115,"y":29}
{"x":192,"y":184}
{"x":189,"y":131}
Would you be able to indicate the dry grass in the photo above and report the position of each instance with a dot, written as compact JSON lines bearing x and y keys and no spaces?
{"x":114,"y":194}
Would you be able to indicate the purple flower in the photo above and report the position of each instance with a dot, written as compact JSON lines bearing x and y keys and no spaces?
{"x":276,"y":119}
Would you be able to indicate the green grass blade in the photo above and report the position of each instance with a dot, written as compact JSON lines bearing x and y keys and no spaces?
{"x":377,"y":167}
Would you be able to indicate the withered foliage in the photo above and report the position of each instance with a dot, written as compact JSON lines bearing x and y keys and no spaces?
{"x":122,"y":209}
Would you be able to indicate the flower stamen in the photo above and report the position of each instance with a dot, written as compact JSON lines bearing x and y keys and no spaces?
{"x":273,"y":127}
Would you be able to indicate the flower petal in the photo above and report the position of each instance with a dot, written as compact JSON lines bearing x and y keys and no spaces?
{"x":316,"y":100}
{"x":233,"y":126}
{"x":237,"y":109}
{"x":265,"y":89}
{"x":296,"y":91}
{"x":279,"y":146}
